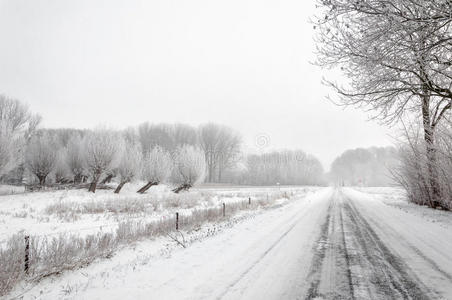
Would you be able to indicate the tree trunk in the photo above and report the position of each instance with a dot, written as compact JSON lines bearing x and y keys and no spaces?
{"x":119,"y":187}
{"x":77,"y":178}
{"x":184,"y":187}
{"x":107,"y":179}
{"x":435,"y":194}
{"x":146,"y":187}
{"x":219,"y":173}
{"x":93,"y":185}
{"x":42,"y":180}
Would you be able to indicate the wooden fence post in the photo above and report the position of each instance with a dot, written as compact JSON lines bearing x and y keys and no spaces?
{"x":27,"y":253}
{"x":177,"y":221}
{"x":224,"y":209}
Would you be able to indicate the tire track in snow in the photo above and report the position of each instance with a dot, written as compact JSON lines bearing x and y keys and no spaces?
{"x":391,"y":277}
{"x":319,"y":250}
{"x":392,"y":232}
{"x":330,"y":275}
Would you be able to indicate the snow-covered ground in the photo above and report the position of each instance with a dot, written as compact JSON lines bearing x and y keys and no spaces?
{"x":81,"y":212}
{"x":330,"y":243}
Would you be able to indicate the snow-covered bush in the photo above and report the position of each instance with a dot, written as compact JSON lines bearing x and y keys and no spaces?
{"x":130,"y":165}
{"x":417,"y":168}
{"x":75,"y":158}
{"x":157,"y":167}
{"x":40,"y":156}
{"x":103,"y":151}
{"x":189,"y":167}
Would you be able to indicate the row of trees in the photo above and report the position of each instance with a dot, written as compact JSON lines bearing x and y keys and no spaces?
{"x":103,"y":154}
{"x":221,"y":145}
{"x":397,"y":55}
{"x":283,"y":167}
{"x":176,"y":153}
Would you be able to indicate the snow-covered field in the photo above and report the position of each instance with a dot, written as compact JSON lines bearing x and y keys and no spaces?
{"x":78,"y":211}
{"x":323,"y":243}
{"x":56,"y":214}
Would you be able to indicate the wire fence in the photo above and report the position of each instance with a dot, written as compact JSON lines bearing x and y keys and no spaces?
{"x":31,"y":257}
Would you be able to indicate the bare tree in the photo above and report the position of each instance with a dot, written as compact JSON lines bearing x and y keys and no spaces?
{"x":221,"y":146}
{"x":40,"y":156}
{"x":16,"y":125}
{"x":17,"y":116}
{"x":130,"y":165}
{"x":229,"y":149}
{"x":397,"y":55}
{"x":151,"y":135}
{"x":189,"y":167}
{"x":103,"y":151}
{"x":183,"y":134}
{"x":157,"y":167}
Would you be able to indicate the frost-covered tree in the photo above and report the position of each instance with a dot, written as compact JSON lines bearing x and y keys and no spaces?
{"x":103,"y":151}
{"x":129,"y":167}
{"x":157,"y":167}
{"x":76,"y":158}
{"x":17,"y":116}
{"x":16,"y":125}
{"x":413,"y":173}
{"x":397,"y":55}
{"x":189,"y":167}
{"x":40,"y":156}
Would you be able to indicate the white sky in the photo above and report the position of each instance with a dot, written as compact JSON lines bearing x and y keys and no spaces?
{"x":243,"y":63}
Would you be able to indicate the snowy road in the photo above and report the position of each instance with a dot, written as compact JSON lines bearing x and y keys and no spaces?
{"x":334,"y":244}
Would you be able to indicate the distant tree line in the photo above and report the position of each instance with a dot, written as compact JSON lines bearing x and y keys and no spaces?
{"x":365,"y":167}
{"x":287,"y":167}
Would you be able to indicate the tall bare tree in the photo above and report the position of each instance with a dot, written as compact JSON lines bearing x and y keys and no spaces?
{"x":17,"y":124}
{"x":397,"y":56}
{"x":221,"y":145}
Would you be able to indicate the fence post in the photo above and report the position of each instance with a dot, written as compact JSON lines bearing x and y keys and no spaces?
{"x":27,"y":253}
{"x":249,"y":200}
{"x":224,"y":209}
{"x":177,"y":221}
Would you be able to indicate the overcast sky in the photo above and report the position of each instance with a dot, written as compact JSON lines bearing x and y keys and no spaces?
{"x":243,"y":63}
